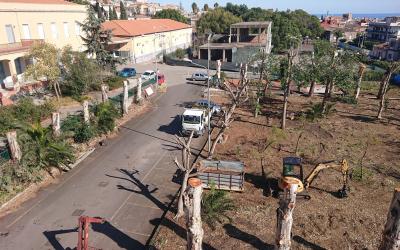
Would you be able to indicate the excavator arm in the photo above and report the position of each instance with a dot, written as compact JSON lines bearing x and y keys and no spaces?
{"x":343,"y":167}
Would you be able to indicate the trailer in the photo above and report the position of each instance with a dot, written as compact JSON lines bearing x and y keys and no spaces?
{"x":225,"y":175}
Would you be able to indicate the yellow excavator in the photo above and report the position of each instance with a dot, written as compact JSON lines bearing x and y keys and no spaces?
{"x":293,"y":174}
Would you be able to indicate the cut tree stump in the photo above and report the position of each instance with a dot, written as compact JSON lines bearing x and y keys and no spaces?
{"x":14,"y":146}
{"x":192,"y":201}
{"x":285,"y":218}
{"x":391,"y":232}
{"x":139,"y":91}
{"x":104,"y":95}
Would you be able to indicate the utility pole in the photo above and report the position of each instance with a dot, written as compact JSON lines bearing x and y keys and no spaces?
{"x":208,"y":93}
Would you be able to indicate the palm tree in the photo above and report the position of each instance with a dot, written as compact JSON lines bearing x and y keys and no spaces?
{"x":215,"y":205}
{"x":42,"y":150}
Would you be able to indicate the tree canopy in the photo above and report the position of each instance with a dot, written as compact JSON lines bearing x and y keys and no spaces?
{"x":217,"y":20}
{"x":195,"y":8}
{"x":205,"y":7}
{"x":295,"y":23}
{"x":124,"y":15}
{"x":171,"y":14}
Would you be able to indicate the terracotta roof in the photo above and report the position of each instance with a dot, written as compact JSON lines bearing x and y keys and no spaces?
{"x":142,"y":27}
{"x":37,"y":1}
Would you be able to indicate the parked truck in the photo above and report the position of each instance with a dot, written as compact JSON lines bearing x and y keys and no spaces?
{"x":195,"y":120}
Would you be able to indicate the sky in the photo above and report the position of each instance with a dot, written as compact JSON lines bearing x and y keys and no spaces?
{"x":311,"y":6}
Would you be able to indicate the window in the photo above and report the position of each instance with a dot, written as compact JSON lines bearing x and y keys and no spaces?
{"x":18,"y":65}
{"x":40,"y":30}
{"x":26,"y":32}
{"x":10,"y":33}
{"x":54,"y":32}
{"x":77,"y":29}
{"x":66,"y":31}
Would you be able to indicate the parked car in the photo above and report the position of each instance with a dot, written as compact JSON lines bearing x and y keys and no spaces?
{"x":199,"y":76}
{"x":127,"y":72}
{"x":148,"y":74}
{"x":215,"y":108}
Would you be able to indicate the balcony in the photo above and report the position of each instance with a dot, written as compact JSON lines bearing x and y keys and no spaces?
{"x":21,"y":46}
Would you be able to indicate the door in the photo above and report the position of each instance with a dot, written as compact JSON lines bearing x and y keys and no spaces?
{"x":10,"y":33}
{"x":26,"y":32}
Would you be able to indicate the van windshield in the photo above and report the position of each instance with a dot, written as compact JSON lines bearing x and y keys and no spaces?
{"x":191,"y":119}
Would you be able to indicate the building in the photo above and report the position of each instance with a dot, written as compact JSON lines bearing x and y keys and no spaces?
{"x":389,"y":51}
{"x":144,"y":40}
{"x":24,"y":22}
{"x":385,"y":30}
{"x":244,"y":40}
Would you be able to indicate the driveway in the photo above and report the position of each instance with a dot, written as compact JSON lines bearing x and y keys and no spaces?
{"x":129,"y":182}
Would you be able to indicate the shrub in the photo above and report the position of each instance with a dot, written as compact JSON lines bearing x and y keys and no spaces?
{"x":75,"y":127}
{"x":180,"y":53}
{"x":316,"y":111}
{"x":106,"y":114}
{"x":114,"y":82}
{"x":361,"y":173}
{"x":372,"y":75}
{"x":215,"y":205}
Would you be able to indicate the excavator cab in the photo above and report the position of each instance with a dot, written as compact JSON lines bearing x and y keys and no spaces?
{"x":292,"y":174}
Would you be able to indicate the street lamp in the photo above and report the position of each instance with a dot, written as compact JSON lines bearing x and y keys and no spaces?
{"x":208,"y":94}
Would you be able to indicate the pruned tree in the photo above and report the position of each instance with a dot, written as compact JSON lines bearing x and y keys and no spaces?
{"x":205,"y":7}
{"x":237,"y":97}
{"x":45,"y":66}
{"x":195,"y":8}
{"x":361,"y":71}
{"x":186,"y":167}
{"x":192,"y":201}
{"x":288,"y":76}
{"x":391,"y":232}
{"x":393,"y":67}
{"x":285,"y":218}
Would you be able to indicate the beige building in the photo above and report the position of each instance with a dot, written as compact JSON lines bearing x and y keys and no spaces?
{"x":24,"y":22}
{"x":144,"y":40}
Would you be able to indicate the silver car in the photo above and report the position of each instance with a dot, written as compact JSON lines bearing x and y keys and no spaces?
{"x":200,"y":76}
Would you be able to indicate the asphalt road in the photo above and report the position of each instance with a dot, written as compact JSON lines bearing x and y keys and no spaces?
{"x":129,"y":182}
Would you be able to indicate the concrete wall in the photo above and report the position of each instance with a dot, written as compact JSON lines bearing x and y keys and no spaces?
{"x":145,"y":48}
{"x":18,"y":14}
{"x":243,"y":55}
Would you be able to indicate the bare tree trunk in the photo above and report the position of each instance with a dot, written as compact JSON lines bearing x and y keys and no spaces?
{"x":86,"y":116}
{"x":104,"y":96}
{"x":285,"y":103}
{"x":256,"y":107}
{"x":139,"y":91}
{"x":180,"y":211}
{"x":55,"y":118}
{"x":216,"y":140}
{"x":391,"y":232}
{"x":386,"y":78}
{"x":331,"y":89}
{"x":360,"y":76}
{"x":285,"y":218}
{"x":56,"y":90}
{"x":312,"y":88}
{"x":382,"y":100}
{"x":15,"y":150}
{"x":326,"y":97}
{"x":125,"y":104}
{"x":193,"y":214}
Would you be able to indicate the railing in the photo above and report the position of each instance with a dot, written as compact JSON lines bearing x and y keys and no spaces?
{"x":24,"y":44}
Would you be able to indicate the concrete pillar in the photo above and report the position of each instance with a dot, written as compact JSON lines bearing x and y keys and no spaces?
{"x":86,"y":116}
{"x":199,"y":54}
{"x":104,"y":96}
{"x":238,"y":35}
{"x":12,"y":68}
{"x":223,"y":55}
{"x":55,"y":122}
{"x":230,"y":35}
{"x":209,"y":54}
{"x":125,"y":104}
{"x":139,"y":91}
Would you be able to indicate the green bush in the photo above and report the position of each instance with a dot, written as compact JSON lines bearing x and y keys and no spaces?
{"x":361,"y":173}
{"x":180,"y":53}
{"x":316,"y":111}
{"x":75,"y":127}
{"x":13,"y":175}
{"x":114,"y":82}
{"x":106,"y":113}
{"x":372,"y":75}
{"x":215,"y":205}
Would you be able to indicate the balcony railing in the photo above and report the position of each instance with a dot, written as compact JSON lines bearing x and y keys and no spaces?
{"x":23,"y":45}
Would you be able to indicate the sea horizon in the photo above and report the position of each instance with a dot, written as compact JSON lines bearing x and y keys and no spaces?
{"x":363,"y":15}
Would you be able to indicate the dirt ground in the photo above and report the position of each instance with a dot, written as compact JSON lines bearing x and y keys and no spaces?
{"x":325,"y":221}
